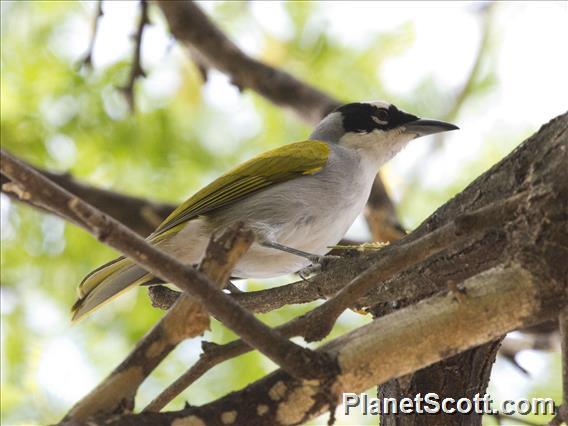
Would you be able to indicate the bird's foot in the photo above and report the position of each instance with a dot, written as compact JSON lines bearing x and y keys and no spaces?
{"x":319,"y":264}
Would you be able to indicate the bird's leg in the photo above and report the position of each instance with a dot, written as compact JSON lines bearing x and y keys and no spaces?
{"x":314,"y":258}
{"x":318,"y":261}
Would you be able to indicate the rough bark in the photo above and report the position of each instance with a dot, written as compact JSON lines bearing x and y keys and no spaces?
{"x":463,"y":375}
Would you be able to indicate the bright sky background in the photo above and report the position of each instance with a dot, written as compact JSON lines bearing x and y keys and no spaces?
{"x":532,"y":88}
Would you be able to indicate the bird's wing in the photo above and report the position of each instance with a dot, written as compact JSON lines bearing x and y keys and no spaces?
{"x":272,"y":167}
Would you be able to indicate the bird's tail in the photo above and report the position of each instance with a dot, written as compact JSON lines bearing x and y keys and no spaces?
{"x":107,"y":282}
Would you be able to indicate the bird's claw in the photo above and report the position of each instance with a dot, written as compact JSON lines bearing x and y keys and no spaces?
{"x":305,"y":273}
{"x":319,"y":263}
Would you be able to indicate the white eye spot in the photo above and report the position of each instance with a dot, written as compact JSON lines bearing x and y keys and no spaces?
{"x":378,"y":120}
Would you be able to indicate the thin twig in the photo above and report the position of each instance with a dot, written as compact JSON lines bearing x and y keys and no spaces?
{"x":87,"y":60}
{"x":214,"y":354}
{"x":136,"y":69}
{"x":299,"y":361}
{"x":381,"y":216}
{"x":486,"y":15}
{"x":260,"y":301}
{"x":208,"y":359}
{"x":544,"y":340}
{"x":485,"y":12}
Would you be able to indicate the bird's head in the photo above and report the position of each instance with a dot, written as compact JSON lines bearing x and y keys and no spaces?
{"x":378,"y":129}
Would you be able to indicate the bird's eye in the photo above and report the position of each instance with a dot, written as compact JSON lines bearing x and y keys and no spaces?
{"x":383,"y":115}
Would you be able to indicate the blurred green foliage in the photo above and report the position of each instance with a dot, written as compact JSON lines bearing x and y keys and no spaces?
{"x":63,"y":117}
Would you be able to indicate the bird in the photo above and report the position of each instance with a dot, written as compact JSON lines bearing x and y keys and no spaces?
{"x":298,"y":199}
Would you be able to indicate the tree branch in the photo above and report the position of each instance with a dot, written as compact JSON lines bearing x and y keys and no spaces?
{"x":136,"y":70}
{"x":485,"y":14}
{"x":87,"y":60}
{"x":381,"y":215}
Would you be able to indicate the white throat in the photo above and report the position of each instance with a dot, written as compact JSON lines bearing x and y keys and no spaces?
{"x":378,"y":146}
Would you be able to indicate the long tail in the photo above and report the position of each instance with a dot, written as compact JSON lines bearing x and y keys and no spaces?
{"x":107,"y":282}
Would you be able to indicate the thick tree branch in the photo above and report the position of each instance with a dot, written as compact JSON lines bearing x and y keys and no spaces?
{"x":300,"y":361}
